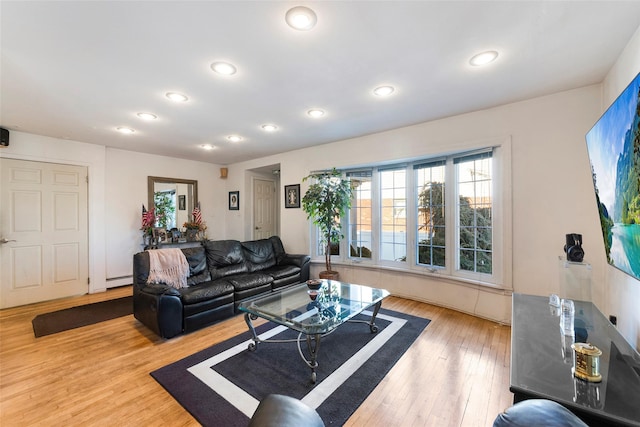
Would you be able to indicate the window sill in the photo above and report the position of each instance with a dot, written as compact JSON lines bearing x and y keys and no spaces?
{"x":500,"y":288}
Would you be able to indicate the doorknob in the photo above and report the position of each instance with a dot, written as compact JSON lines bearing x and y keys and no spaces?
{"x":3,"y":241}
{"x":257,"y":228}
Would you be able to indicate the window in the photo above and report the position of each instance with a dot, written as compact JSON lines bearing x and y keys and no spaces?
{"x":393,"y":215}
{"x":474,"y":225}
{"x":439,"y":216}
{"x":359,"y":238}
{"x":430,"y":214}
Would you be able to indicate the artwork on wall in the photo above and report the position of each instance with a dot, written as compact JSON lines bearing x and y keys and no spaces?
{"x":613,"y":145}
{"x":234,"y":200}
{"x":292,"y":196}
{"x":182,"y":203}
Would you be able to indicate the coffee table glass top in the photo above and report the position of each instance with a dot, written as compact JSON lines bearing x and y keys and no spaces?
{"x":319,"y":312}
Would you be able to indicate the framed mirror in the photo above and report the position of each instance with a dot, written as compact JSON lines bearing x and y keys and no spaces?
{"x":174,"y":198}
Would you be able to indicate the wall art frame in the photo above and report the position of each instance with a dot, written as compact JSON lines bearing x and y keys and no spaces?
{"x":234,"y":200}
{"x":292,"y":196}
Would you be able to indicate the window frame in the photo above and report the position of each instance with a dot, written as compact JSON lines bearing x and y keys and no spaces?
{"x":501,"y":219}
{"x":377,"y":231}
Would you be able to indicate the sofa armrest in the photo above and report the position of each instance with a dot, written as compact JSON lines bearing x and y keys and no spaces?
{"x":298,"y":260}
{"x":157,"y":306}
{"x":159,"y":311}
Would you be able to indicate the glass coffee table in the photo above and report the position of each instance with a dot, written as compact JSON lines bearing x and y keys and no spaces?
{"x":313,"y":313}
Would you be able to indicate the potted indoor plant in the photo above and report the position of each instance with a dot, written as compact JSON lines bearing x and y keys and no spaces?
{"x":326,"y":202}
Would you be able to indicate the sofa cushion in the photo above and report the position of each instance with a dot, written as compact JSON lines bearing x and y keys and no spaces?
{"x":280,"y":271}
{"x":259,"y":254}
{"x":197,"y":259}
{"x":249,"y":281}
{"x":224,"y":258}
{"x":278,"y":248}
{"x":205,"y":276}
{"x":205,"y":291}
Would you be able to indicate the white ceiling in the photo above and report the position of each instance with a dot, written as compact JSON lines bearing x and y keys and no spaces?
{"x":79,"y":69}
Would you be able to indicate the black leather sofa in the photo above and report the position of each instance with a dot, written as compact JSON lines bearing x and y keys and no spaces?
{"x":222,"y":273}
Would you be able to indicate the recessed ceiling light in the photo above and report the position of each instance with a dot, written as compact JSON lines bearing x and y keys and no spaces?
{"x":301,"y":18}
{"x":383,"y":90}
{"x":207,"y":146}
{"x":315,"y":113}
{"x":125,"y":130}
{"x":223,"y":68}
{"x":147,"y":116}
{"x":269,"y":127}
{"x":483,"y":58}
{"x":234,"y":138}
{"x":177,"y":97}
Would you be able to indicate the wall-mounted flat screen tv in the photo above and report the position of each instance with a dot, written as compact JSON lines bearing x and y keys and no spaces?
{"x":614,"y":152}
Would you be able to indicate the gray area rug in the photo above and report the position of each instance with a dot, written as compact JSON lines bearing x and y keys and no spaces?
{"x":223,"y":384}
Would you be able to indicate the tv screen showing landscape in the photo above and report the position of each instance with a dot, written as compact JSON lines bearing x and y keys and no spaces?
{"x":614,"y":152}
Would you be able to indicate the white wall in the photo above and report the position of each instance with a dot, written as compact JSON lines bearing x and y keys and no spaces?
{"x":126,"y":191}
{"x":623,"y":292}
{"x":552,"y":193}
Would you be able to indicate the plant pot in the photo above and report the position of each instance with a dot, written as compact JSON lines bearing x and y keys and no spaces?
{"x":192,"y":235}
{"x":329,"y":275}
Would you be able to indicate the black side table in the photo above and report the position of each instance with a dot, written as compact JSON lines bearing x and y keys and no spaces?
{"x":542,"y":358}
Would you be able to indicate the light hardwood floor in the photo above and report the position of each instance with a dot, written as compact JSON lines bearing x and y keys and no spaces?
{"x":455,"y":374}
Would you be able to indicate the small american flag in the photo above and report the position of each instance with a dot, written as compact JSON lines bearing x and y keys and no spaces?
{"x":197,"y":215}
{"x":148,"y":218}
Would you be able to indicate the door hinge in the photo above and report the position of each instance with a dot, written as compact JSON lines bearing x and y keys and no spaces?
{"x":86,"y":178}
{"x":88,"y":280}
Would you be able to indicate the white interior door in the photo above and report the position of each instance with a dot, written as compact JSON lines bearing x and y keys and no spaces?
{"x":264,"y":209}
{"x":43,"y":230}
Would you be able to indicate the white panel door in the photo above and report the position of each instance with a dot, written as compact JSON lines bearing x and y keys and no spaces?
{"x":264,"y":209}
{"x":43,"y":232}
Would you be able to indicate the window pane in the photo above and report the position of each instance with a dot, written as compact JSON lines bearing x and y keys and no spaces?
{"x":484,"y":238}
{"x":393,"y":212}
{"x":467,"y":237}
{"x":475,"y":227}
{"x":467,"y":261}
{"x":430,"y":214}
{"x":360,"y":215}
{"x":484,"y":262}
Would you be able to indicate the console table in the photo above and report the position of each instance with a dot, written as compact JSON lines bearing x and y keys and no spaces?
{"x":542,"y":358}
{"x":166,"y":245}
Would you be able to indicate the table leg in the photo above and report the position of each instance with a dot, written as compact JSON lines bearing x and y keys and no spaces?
{"x":372,"y":324}
{"x":256,"y":340}
{"x":313,"y":345}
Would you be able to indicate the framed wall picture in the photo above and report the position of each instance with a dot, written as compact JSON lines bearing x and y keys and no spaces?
{"x":182,"y":202}
{"x":234,"y":200}
{"x":292,"y":196}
